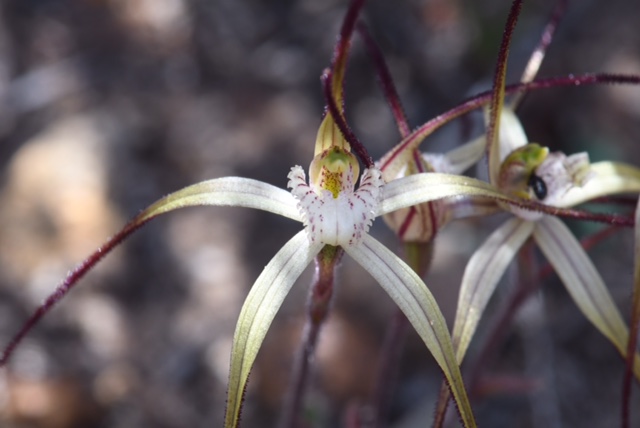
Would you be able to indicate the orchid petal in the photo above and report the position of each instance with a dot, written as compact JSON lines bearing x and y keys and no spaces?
{"x":425,"y":187}
{"x":259,"y":310}
{"x":418,"y":188}
{"x":583,"y":282}
{"x":476,"y":207}
{"x":462,"y":158}
{"x":495,"y":113}
{"x":227,"y":191}
{"x":339,"y":61}
{"x":482,"y":274}
{"x":512,"y":135}
{"x":608,"y":178}
{"x":416,"y":301}
{"x":329,"y":134}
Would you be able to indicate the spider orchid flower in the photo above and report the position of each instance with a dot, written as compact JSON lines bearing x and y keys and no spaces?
{"x":334,"y":213}
{"x":529,"y":172}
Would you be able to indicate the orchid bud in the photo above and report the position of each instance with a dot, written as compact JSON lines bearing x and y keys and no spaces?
{"x":335,"y":170}
{"x":419,"y":223}
{"x":329,"y":136}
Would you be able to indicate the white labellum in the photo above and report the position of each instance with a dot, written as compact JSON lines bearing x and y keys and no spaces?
{"x":340,"y":221}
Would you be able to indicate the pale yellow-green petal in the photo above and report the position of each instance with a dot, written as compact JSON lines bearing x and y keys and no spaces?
{"x":463,"y":157}
{"x":473,"y":207}
{"x":259,"y":309}
{"x":418,"y":188}
{"x":583,"y":282}
{"x":227,"y":191}
{"x":482,"y":274}
{"x":494,"y":117}
{"x":512,"y":135}
{"x":609,"y":178}
{"x":416,"y":301}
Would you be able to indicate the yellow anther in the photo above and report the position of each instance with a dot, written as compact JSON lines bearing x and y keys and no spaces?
{"x":335,"y":170}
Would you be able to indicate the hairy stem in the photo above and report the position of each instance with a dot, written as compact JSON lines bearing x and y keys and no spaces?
{"x":341,"y":123}
{"x":497,"y":97}
{"x":385,"y":80}
{"x":318,"y":306}
{"x":416,"y":137}
{"x":71,"y":281}
{"x":531,"y":70}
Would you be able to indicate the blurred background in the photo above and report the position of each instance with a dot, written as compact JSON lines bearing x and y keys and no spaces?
{"x":107,"y":105}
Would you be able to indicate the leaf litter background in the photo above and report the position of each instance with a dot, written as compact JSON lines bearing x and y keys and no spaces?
{"x":105,"y":106}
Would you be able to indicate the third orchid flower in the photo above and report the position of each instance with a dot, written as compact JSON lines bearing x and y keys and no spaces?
{"x":531,"y":172}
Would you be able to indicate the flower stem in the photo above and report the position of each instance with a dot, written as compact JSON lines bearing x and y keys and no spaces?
{"x":318,"y":306}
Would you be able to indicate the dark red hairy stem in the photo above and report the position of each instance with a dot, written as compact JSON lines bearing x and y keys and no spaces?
{"x":534,"y":206}
{"x":533,"y":66}
{"x":339,"y":60}
{"x":342,"y":125}
{"x":484,"y":98}
{"x":319,"y":301}
{"x":385,"y":80}
{"x":68,"y":283}
{"x":333,"y":76}
{"x":610,"y":219}
{"x":497,"y":97}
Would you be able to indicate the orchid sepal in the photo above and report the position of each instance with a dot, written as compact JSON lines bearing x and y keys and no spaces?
{"x":227,"y":191}
{"x":607,"y":179}
{"x":481,"y":276}
{"x":415,"y":300}
{"x":583,"y":282}
{"x":259,"y":310}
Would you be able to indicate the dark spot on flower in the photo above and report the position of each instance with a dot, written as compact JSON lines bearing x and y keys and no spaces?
{"x":538,"y":186}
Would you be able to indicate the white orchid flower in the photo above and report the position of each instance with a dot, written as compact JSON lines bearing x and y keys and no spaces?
{"x":529,"y":172}
{"x":334,"y":213}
